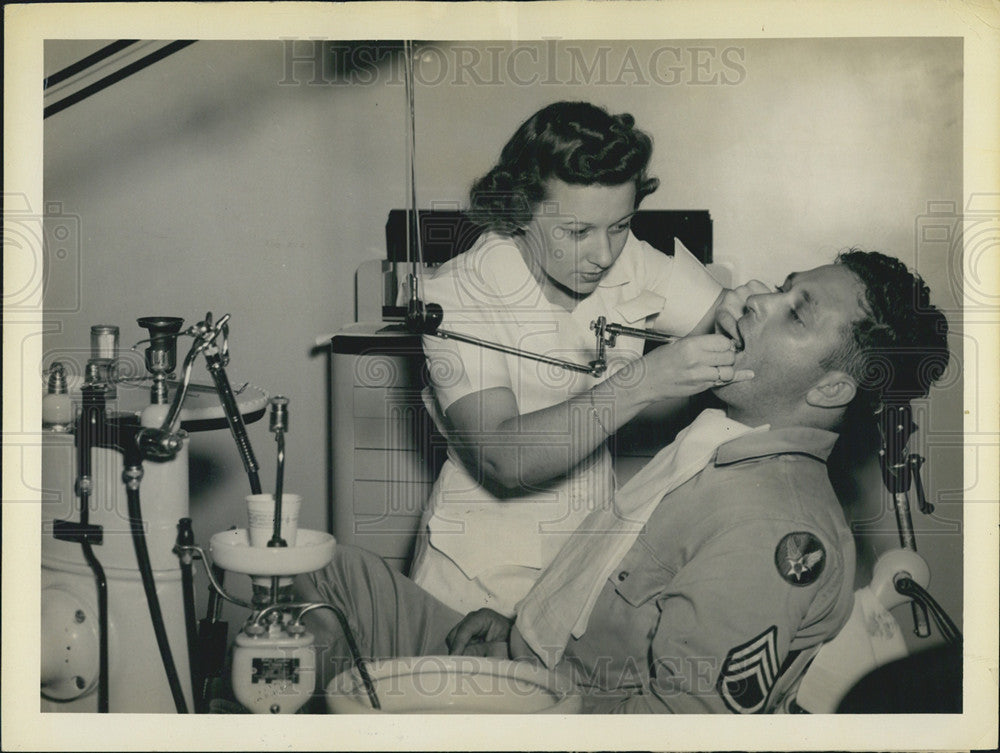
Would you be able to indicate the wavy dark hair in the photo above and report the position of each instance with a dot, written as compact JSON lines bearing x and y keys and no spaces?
{"x":900,"y":347}
{"x":578,"y":143}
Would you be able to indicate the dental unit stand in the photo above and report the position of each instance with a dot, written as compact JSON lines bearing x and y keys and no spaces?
{"x":116,"y":605}
{"x":274,"y":659}
{"x":117,"y":609}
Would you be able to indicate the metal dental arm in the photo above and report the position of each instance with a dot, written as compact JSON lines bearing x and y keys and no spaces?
{"x":425,"y":319}
{"x":607,"y":335}
{"x":217,"y":358}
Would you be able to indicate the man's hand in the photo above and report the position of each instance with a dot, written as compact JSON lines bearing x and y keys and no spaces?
{"x":481,"y":633}
{"x":732,"y":306}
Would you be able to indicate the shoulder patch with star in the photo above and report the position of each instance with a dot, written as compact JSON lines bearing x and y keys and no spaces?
{"x":800,"y":558}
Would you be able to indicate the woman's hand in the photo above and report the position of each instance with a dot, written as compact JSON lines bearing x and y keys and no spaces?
{"x":500,"y":446}
{"x":688,"y":366}
{"x":481,"y":633}
{"x":731,"y":307}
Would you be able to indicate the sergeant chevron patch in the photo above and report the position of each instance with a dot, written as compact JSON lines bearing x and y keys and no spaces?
{"x":749,"y":673}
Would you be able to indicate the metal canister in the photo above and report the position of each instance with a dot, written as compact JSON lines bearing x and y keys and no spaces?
{"x":104,"y":342}
{"x":104,"y":353}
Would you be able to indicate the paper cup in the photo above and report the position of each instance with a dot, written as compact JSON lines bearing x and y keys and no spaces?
{"x":260,"y":511}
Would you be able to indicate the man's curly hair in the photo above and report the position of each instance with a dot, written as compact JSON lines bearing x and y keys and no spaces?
{"x":900,"y":347}
{"x":578,"y":143}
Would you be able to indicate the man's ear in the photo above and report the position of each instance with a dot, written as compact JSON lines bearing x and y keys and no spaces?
{"x":835,"y":390}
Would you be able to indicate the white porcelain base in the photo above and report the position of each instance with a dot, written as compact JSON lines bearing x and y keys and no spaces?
{"x":231,"y":551}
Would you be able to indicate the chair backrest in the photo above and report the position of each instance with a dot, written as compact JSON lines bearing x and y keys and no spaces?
{"x":446,"y":233}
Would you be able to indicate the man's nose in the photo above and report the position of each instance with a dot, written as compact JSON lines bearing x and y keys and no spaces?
{"x":757,"y":304}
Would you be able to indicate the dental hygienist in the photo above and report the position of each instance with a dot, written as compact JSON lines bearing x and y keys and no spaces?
{"x":527,"y":452}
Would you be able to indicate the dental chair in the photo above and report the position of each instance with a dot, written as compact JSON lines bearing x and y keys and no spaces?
{"x":868,"y":667}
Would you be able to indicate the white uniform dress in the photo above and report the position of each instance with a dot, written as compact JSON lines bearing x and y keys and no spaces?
{"x":477,"y":549}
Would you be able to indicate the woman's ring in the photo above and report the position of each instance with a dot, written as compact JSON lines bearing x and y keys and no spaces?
{"x":718,"y":374}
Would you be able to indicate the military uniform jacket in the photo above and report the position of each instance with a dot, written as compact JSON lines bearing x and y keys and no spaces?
{"x":738,"y":577}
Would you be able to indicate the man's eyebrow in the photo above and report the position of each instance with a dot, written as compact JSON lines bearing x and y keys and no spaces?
{"x":807,"y":298}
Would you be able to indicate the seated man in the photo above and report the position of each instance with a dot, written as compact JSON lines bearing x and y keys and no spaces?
{"x":727,"y":561}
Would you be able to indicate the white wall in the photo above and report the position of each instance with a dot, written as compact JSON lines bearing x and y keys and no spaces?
{"x":202,"y":184}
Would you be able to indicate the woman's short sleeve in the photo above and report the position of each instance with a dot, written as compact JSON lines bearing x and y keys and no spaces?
{"x":455,"y":368}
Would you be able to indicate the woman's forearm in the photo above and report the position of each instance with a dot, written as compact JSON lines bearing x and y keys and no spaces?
{"x":521,"y":451}
{"x":511,"y":451}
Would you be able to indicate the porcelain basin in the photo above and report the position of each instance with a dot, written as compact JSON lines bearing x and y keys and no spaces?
{"x":231,"y":550}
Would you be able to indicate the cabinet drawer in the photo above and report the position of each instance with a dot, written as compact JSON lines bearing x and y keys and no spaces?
{"x":377,"y":402}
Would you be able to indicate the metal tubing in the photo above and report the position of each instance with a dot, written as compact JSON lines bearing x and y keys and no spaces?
{"x":909,"y":587}
{"x":619,"y":329}
{"x":568,"y":365}
{"x":907,"y":539}
{"x":351,"y":645}
{"x":276,"y":539}
{"x":211,"y":577}
{"x":185,"y":536}
{"x":88,"y":434}
{"x":904,"y":521}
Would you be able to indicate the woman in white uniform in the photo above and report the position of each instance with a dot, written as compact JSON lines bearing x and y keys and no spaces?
{"x":527,"y":453}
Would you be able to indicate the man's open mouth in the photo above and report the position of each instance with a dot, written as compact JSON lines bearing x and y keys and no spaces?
{"x":738,"y":341}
